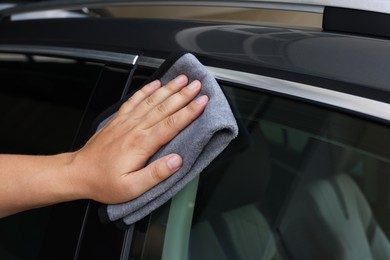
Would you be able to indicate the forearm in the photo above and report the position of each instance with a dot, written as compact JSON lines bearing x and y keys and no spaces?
{"x":34,"y":181}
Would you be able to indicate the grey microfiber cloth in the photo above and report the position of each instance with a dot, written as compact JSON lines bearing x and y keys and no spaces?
{"x":198,"y":144}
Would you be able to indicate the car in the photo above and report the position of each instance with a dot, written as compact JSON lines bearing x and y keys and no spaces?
{"x":306,"y":178}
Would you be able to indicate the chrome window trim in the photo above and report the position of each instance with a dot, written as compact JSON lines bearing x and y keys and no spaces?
{"x":334,"y":98}
{"x":149,"y":62}
{"x":106,"y":56}
{"x":325,"y":96}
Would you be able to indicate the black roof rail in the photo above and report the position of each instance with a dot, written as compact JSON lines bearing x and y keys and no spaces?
{"x":353,"y":21}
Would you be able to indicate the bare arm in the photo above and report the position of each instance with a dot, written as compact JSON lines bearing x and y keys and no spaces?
{"x":110,"y":168}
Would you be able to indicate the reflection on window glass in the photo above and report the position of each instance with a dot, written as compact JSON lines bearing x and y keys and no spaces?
{"x":300,"y":182}
{"x":42,"y":101}
{"x":215,"y":13}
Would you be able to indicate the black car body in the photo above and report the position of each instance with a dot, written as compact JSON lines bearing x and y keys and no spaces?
{"x":307,"y":178}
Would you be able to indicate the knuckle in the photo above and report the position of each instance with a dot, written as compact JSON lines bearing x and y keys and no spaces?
{"x":126,"y":106}
{"x":192,"y":109}
{"x":143,"y":92}
{"x":170,"y":122}
{"x":150,"y":101}
{"x":184,"y":94}
{"x":156,"y":173}
{"x":116,"y":121}
{"x":162,"y":108}
{"x":131,"y":98}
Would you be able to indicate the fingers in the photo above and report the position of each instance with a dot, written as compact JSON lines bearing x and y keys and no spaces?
{"x":154,"y":173}
{"x":139,"y":96}
{"x":173,"y":124}
{"x":172,"y":104}
{"x":148,"y":98}
{"x":160,"y":96}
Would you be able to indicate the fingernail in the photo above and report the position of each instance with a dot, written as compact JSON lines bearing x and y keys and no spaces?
{"x":194,"y":84}
{"x":174,"y":162}
{"x":201,"y":100}
{"x":154,"y":84}
{"x":180,"y":79}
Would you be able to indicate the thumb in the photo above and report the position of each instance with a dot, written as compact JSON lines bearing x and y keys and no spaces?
{"x":159,"y":170}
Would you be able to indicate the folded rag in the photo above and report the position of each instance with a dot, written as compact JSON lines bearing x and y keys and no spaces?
{"x":198,"y":144}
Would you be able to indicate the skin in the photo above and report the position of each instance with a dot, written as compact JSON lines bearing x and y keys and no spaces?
{"x":110,"y":168}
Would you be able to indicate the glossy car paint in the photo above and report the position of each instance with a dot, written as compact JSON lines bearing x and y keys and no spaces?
{"x":277,"y":52}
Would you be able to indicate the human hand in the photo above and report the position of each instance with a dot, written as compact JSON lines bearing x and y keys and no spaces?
{"x":110,"y":167}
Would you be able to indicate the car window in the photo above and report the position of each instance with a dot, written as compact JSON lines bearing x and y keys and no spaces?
{"x":300,"y":181}
{"x":42,"y":102}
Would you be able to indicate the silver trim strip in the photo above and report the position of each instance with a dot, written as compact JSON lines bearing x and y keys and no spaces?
{"x":108,"y":56}
{"x":325,"y":96}
{"x":150,"y":62}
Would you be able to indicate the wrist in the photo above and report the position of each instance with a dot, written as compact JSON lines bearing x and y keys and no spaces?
{"x":70,"y":177}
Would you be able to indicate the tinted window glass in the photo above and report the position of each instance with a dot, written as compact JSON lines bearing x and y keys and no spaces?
{"x":42,"y":101}
{"x":302,"y":182}
{"x":299,"y":182}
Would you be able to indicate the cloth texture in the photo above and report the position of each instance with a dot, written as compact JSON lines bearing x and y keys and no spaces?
{"x":198,"y":144}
